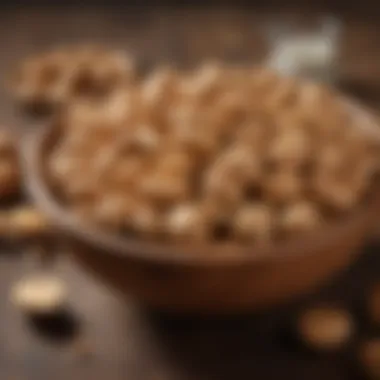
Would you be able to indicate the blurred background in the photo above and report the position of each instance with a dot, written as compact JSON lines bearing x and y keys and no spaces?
{"x":110,"y":339}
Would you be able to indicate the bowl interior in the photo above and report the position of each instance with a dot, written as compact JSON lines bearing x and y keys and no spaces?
{"x":38,"y":144}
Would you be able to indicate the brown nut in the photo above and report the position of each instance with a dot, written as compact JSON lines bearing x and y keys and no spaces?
{"x":325,"y":328}
{"x":283,"y":186}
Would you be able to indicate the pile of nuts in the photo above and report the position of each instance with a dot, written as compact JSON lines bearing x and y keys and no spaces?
{"x":62,"y":76}
{"x":213,"y":154}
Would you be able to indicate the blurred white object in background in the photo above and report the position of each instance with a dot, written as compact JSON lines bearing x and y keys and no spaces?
{"x":308,"y":53}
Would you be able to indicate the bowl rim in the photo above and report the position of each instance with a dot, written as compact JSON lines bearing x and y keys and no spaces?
{"x":32,"y":152}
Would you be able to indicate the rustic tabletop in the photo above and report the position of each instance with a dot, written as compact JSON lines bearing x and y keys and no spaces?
{"x":104,"y":337}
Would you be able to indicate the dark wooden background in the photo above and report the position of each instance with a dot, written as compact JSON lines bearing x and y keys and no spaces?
{"x":113,"y":339}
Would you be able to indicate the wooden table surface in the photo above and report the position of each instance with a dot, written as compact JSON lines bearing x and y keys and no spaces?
{"x":113,"y":339}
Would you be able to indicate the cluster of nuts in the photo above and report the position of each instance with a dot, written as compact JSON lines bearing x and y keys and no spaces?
{"x":64,"y":75}
{"x":215,"y":153}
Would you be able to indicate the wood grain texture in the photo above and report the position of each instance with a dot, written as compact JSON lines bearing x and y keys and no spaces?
{"x":126,"y":342}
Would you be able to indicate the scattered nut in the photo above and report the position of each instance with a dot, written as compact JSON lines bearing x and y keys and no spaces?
{"x":39,"y":294}
{"x":27,"y":222}
{"x":325,"y":328}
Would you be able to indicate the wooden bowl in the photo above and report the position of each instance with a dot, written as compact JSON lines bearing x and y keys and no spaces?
{"x":204,"y":278}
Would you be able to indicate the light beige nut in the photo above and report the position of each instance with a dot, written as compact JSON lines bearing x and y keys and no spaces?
{"x":205,"y":82}
{"x":164,"y":188}
{"x":167,"y":181}
{"x":39,"y":294}
{"x":254,"y":222}
{"x":300,"y":217}
{"x":145,"y":139}
{"x":190,"y":130}
{"x":219,"y":186}
{"x":325,"y":328}
{"x":283,"y":186}
{"x":110,"y":210}
{"x":62,"y":165}
{"x":241,"y":163}
{"x":290,"y":146}
{"x":144,"y":219}
{"x":159,"y":85}
{"x":186,"y":221}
